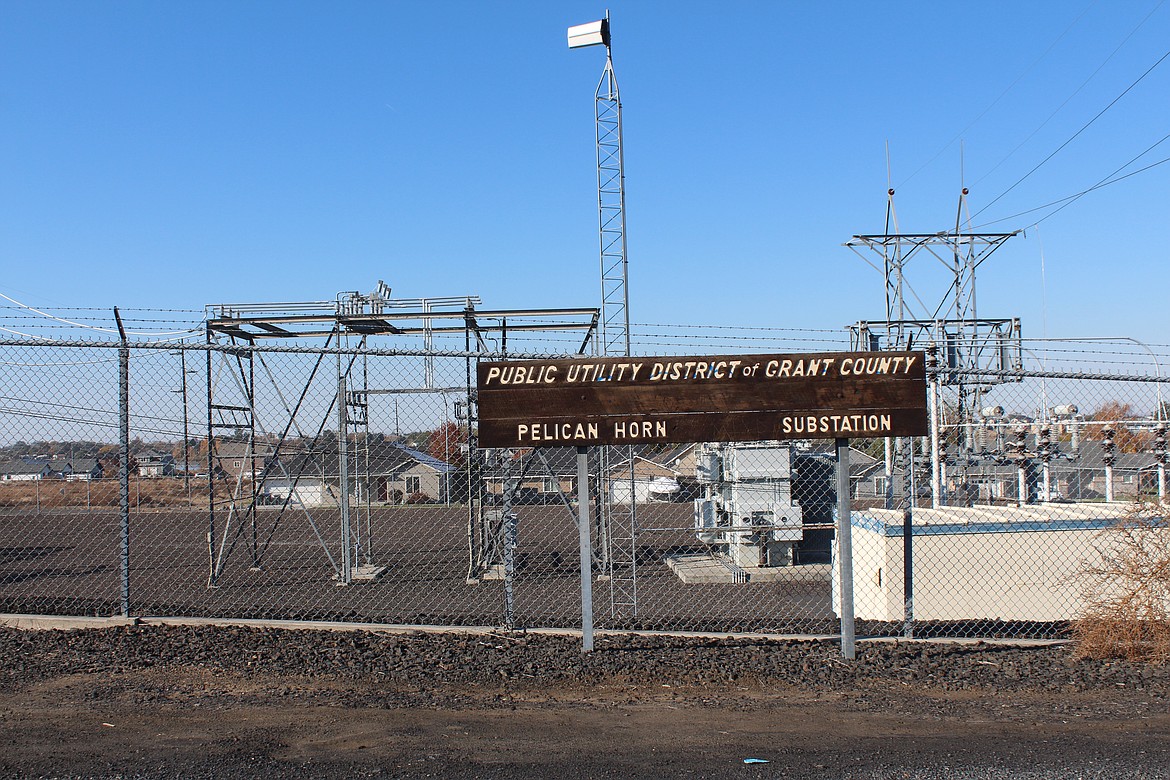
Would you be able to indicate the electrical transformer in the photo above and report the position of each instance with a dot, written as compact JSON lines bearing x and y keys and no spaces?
{"x":747,"y":511}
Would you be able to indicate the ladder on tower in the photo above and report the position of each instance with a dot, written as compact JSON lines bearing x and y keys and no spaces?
{"x":622,"y":533}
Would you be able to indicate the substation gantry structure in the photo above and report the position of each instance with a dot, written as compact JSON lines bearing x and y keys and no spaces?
{"x":278,"y":439}
{"x":939,"y":312}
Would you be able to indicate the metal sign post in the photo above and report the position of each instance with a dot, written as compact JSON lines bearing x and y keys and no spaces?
{"x":845,"y":551}
{"x":586,"y":549}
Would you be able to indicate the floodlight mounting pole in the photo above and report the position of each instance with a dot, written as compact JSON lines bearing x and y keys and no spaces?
{"x":617,"y":523}
{"x":614,"y":328}
{"x":611,"y":209}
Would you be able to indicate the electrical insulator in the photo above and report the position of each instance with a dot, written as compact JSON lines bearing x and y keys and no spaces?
{"x":1018,"y":449}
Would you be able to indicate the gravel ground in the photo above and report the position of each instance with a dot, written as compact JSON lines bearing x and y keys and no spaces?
{"x":182,"y":701}
{"x":444,"y":660}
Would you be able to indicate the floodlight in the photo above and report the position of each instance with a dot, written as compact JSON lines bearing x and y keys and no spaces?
{"x":590,"y":34}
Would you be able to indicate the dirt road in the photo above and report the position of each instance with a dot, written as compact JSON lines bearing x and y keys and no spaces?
{"x":162,"y":702}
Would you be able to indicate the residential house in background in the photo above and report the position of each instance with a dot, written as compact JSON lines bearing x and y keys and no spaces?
{"x":235,"y":459}
{"x":83,"y":469}
{"x":867,"y":476}
{"x":152,"y":463}
{"x":652,"y":475}
{"x":76,"y":469}
{"x":1080,"y":475}
{"x":382,"y":470}
{"x":1076,"y":472}
{"x":545,"y":475}
{"x":24,"y":471}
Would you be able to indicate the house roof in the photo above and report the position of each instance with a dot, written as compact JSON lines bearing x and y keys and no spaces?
{"x":560,"y":460}
{"x":624,"y":464}
{"x":421,"y":457}
{"x":383,"y":457}
{"x":229,"y":449}
{"x":75,"y":465}
{"x":1091,"y":454}
{"x":22,"y":467}
{"x":670,"y":456}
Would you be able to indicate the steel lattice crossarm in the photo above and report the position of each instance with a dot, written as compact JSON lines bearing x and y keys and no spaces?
{"x":959,"y":252}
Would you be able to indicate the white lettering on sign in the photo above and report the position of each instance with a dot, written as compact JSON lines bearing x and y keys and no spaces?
{"x":523,"y":375}
{"x":693,"y":369}
{"x":836,"y":424}
{"x":543,"y":432}
{"x":872,"y":366}
{"x":639,"y":429}
{"x":782,"y":369}
{"x":543,"y":374}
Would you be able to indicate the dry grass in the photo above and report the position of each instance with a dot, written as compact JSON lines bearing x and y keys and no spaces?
{"x":1126,"y":591}
{"x":105,"y":493}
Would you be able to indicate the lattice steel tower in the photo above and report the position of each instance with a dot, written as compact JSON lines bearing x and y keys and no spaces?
{"x":941,"y":310}
{"x":611,"y":194}
{"x":617,"y":522}
{"x":950,"y":319}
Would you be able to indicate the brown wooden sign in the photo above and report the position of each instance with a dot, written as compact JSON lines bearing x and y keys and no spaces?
{"x":631,"y":400}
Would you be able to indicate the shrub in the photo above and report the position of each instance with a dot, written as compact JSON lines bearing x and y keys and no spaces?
{"x":1126,"y":591}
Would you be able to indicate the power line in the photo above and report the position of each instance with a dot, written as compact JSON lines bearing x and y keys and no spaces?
{"x":1105,"y":182}
{"x":75,"y":408}
{"x":1000,"y":97}
{"x":1074,"y":135}
{"x":1075,"y":92}
{"x":80,"y":422}
{"x":187,"y":332}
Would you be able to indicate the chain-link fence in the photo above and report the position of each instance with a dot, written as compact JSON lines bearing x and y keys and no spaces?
{"x":346,"y":484}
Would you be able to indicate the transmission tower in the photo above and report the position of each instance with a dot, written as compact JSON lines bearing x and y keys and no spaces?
{"x":942,"y":310}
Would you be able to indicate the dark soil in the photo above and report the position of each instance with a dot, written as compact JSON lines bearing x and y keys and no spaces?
{"x":178,"y":701}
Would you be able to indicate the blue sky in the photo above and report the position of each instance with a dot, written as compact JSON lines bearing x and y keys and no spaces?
{"x":177,"y":154}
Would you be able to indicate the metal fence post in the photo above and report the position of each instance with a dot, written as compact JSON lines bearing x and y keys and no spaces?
{"x":124,"y":459}
{"x":908,"y":573}
{"x":343,"y":479}
{"x":845,"y":551}
{"x":586,"y":549}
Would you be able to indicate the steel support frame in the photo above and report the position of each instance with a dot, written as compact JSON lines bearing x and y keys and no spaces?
{"x":951,"y":322}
